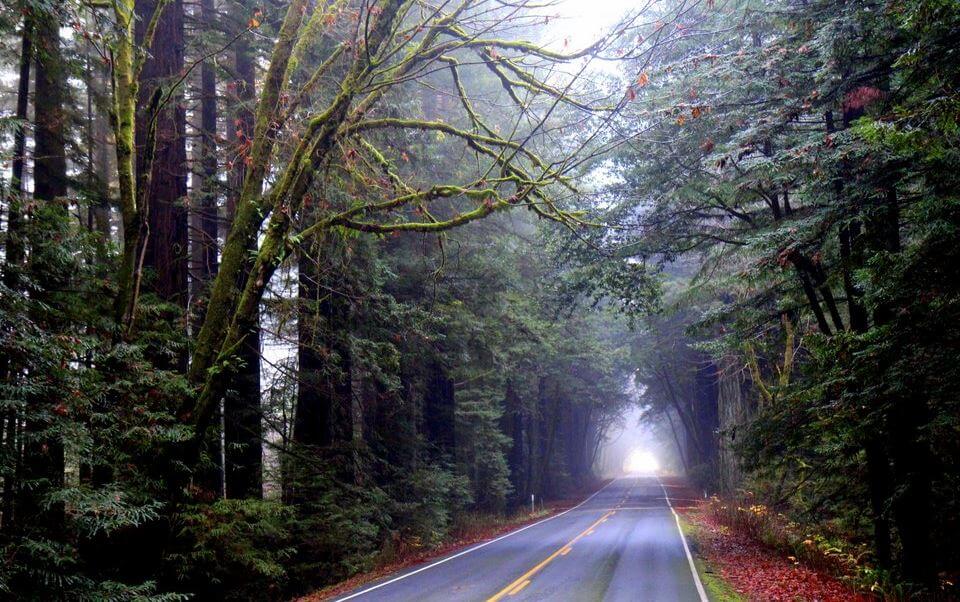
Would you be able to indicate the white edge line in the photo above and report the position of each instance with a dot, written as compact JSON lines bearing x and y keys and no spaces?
{"x":686,"y":548}
{"x":477,"y":547}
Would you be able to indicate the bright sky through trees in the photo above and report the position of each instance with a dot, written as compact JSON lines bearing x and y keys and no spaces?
{"x":641,"y":461}
{"x":583,"y":21}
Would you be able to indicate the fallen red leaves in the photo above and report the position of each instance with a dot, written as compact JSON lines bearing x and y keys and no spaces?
{"x":755,"y":571}
{"x":759,"y":573}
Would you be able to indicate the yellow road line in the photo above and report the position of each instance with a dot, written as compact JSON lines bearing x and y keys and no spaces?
{"x":566,"y":551}
{"x":517,"y":589}
{"x":519,"y":584}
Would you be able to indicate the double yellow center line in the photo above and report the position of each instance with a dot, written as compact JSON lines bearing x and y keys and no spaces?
{"x":524,"y":580}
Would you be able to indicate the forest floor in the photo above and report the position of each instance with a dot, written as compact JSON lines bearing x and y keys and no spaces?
{"x":735,"y":566}
{"x":471,"y":530}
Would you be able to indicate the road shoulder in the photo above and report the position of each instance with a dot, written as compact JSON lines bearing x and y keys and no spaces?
{"x":734,"y":567}
{"x":717,"y":589}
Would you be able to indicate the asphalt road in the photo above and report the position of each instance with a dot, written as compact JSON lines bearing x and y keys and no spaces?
{"x":623,"y":543}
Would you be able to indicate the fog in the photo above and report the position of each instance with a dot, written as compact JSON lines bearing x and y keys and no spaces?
{"x":635,"y":445}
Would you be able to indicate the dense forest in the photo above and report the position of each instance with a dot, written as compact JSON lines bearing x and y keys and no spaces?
{"x":290,"y":289}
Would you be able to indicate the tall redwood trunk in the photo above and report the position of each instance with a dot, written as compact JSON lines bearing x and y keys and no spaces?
{"x":439,"y":412}
{"x":312,"y":417}
{"x":205,"y":216}
{"x":167,"y":246}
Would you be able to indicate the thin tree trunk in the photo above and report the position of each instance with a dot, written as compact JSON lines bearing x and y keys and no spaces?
{"x":513,"y":426}
{"x":43,"y":458}
{"x":548,"y":444}
{"x":243,"y":432}
{"x":534,"y":420}
{"x":686,"y":417}
{"x":14,"y":249}
{"x":676,"y":440}
{"x":439,"y":412}
{"x":906,"y":420}
{"x":13,"y":260}
{"x":811,"y":294}
{"x":101,"y":161}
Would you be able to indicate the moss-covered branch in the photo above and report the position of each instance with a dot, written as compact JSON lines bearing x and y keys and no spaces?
{"x":230,"y":316}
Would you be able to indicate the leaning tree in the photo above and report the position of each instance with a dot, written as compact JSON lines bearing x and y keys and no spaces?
{"x":334,"y":96}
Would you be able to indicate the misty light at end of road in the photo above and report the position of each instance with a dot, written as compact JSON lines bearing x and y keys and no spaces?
{"x":641,"y":461}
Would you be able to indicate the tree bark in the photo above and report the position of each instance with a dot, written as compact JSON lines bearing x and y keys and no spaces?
{"x":243,"y":431}
{"x":166,"y":250}
{"x":204,"y":247}
{"x":14,"y":254}
{"x":324,"y":398}
{"x":14,"y":249}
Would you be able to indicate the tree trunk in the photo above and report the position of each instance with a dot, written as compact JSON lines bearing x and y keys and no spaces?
{"x":906,"y":422}
{"x":99,"y":88}
{"x":313,"y":413}
{"x":204,"y":247}
{"x":879,"y":476}
{"x":43,"y":457}
{"x":512,"y":425}
{"x":243,"y":432}
{"x":678,"y":443}
{"x":166,"y":249}
{"x":532,"y":486}
{"x":14,"y":254}
{"x":50,"y":160}
{"x":551,"y":417}
{"x":439,"y":412}
{"x":14,"y":249}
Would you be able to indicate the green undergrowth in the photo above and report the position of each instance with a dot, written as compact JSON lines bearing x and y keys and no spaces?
{"x":466,"y":528}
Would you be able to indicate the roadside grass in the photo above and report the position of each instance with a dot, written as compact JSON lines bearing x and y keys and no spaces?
{"x":717,"y":589}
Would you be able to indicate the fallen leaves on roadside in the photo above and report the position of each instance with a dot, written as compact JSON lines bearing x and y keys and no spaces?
{"x":759,"y":573}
